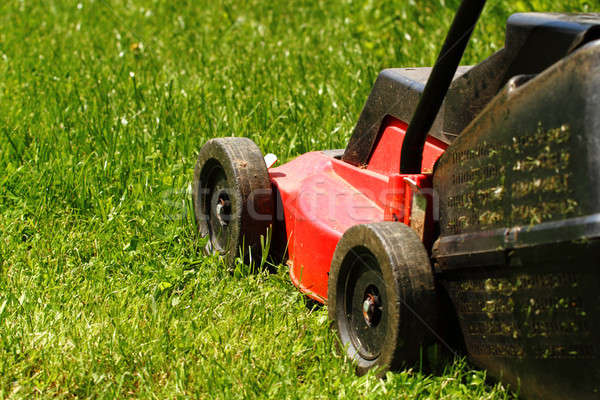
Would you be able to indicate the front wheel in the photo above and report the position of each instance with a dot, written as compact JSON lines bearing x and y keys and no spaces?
{"x":232,"y":197}
{"x":381,"y":296}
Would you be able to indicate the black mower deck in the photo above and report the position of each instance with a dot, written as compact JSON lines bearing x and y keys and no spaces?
{"x":519,"y":190}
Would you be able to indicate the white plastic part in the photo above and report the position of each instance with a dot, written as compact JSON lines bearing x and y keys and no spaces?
{"x":411,"y":183}
{"x":270,"y":159}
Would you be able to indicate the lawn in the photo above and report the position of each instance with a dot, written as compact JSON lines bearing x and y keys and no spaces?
{"x":104,"y":291}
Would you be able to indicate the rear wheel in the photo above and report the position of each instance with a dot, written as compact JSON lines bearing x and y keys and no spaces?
{"x":232,"y":197}
{"x":381,"y":296}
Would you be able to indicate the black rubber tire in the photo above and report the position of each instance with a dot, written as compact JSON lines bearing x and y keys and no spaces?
{"x":385,"y":261}
{"x":233,"y":198}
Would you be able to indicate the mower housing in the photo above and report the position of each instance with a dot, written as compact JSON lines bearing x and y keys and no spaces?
{"x":519,"y":245}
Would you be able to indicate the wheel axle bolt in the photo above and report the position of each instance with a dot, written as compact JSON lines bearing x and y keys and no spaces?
{"x":369,"y":306}
{"x":222,"y":210}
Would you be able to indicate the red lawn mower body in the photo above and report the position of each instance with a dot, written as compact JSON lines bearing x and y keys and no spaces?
{"x":323,"y":196}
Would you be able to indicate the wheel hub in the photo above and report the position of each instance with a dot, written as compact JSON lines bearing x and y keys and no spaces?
{"x":371,"y":308}
{"x":223,"y":209}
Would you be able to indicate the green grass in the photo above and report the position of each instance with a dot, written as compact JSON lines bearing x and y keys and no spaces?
{"x":103,"y":107}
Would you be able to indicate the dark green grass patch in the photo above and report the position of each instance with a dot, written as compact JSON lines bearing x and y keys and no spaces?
{"x":103,"y":107}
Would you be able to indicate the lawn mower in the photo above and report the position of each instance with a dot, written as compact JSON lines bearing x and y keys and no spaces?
{"x":464,"y":192}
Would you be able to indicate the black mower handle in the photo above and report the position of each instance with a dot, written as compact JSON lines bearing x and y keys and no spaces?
{"x":437,"y":85}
